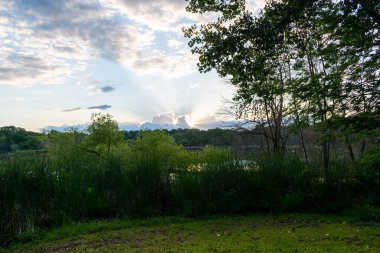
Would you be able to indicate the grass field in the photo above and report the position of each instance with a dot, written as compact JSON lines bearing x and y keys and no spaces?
{"x":256,"y":233}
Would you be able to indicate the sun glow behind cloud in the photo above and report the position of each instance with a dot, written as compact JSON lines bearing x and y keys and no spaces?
{"x":56,"y":56}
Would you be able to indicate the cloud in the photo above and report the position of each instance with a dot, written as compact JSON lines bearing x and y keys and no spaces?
{"x":48,"y":41}
{"x":166,"y":15}
{"x":164,"y":119}
{"x":96,"y":107}
{"x":28,"y":57}
{"x":51,"y":42}
{"x":163,"y":15}
{"x":161,"y":121}
{"x":212,"y":121}
{"x":99,"y":107}
{"x":255,"y":5}
{"x":72,"y":110}
{"x":107,"y":88}
{"x":98,"y":86}
{"x":195,"y":85}
{"x":167,"y":121}
{"x":170,"y":121}
{"x":215,"y":124}
{"x":175,"y":44}
{"x":182,"y":122}
{"x":25,"y":69}
{"x":95,"y":90}
{"x":169,"y":65}
{"x":64,"y":128}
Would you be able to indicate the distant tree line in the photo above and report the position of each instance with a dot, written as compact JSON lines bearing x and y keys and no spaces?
{"x":245,"y":142}
{"x":197,"y":138}
{"x":15,"y":138}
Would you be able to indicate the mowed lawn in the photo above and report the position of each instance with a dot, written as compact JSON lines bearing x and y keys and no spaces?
{"x":256,"y":233}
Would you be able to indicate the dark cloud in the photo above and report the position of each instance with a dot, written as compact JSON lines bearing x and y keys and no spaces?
{"x":100,"y":107}
{"x":107,"y":88}
{"x":72,"y":109}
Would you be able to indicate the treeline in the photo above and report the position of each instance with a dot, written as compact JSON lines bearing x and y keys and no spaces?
{"x":199,"y":138}
{"x":15,"y":138}
{"x":242,"y":141}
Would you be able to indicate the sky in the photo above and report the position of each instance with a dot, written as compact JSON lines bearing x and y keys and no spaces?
{"x":63,"y":60}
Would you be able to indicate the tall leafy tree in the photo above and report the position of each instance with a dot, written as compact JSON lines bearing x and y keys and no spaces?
{"x":103,"y":134}
{"x":251,"y":54}
{"x":295,"y":61}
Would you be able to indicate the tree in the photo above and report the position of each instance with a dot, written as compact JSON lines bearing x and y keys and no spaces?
{"x":359,"y":38}
{"x":103,"y":133}
{"x":65,"y":148}
{"x":295,"y":63}
{"x":252,"y":55}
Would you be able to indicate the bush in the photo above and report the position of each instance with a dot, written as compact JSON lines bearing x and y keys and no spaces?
{"x":368,"y":176}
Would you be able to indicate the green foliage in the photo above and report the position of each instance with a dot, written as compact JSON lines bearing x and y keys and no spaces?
{"x":368,"y":175}
{"x":15,"y":138}
{"x":193,"y":137}
{"x":62,"y":147}
{"x":153,"y":157}
{"x":100,"y":175}
{"x":311,"y":61}
{"x":371,"y":159}
{"x":26,"y":188}
{"x":103,"y":134}
{"x":154,"y":148}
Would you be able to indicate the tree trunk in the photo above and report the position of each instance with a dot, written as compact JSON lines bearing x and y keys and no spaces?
{"x":350,"y":148}
{"x":304,"y":147}
{"x":362,"y":147}
{"x":325,"y":155}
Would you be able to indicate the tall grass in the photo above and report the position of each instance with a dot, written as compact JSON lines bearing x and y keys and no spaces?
{"x":154,"y":176}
